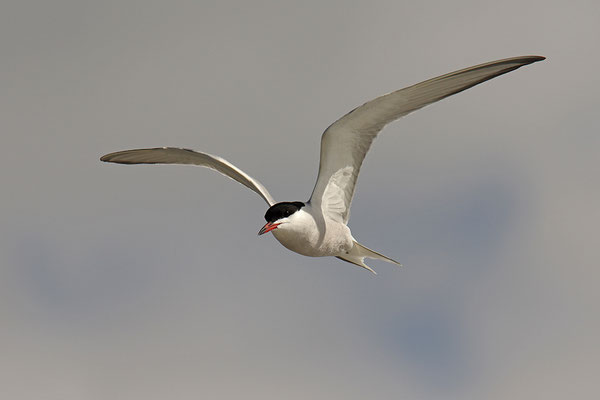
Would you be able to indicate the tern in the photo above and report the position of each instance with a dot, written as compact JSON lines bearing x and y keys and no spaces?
{"x":319,"y":227}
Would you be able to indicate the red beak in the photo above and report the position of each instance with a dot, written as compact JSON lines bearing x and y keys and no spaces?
{"x":269,"y":226}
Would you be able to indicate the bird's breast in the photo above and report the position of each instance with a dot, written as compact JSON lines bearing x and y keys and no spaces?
{"x":314,"y":237}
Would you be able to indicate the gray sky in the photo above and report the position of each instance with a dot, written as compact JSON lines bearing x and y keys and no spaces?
{"x":150,"y":282}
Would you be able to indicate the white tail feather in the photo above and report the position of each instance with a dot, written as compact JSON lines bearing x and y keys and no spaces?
{"x":358,"y":254}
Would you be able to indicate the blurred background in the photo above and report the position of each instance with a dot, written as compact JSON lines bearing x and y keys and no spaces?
{"x":149,"y":282}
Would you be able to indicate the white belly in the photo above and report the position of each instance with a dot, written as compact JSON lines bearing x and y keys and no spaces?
{"x":304,"y":235}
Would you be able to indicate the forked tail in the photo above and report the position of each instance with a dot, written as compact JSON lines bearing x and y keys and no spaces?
{"x":358,"y":254}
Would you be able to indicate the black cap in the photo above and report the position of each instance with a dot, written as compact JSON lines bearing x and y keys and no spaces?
{"x":282,"y":210}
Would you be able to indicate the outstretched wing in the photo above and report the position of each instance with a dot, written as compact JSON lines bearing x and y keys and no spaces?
{"x":346,"y":142}
{"x":172,"y":155}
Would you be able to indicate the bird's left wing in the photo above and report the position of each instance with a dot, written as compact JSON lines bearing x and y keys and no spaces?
{"x":346,"y":142}
{"x":172,"y":155}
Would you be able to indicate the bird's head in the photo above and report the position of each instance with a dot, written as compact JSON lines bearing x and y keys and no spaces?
{"x":280,"y":213}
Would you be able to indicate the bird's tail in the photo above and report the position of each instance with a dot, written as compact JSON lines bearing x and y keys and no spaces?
{"x":358,"y":254}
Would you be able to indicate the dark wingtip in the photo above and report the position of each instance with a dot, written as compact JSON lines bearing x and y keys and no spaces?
{"x":522,"y":60}
{"x":108,"y":157}
{"x":537,"y":58}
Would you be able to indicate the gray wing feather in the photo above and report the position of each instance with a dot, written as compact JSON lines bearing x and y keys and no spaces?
{"x":172,"y":155}
{"x":346,"y":142}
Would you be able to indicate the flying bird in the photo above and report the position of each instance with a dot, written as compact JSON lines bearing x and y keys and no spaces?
{"x":319,"y":227}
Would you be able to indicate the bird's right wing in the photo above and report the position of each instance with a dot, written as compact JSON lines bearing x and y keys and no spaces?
{"x":346,"y":142}
{"x":172,"y":155}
